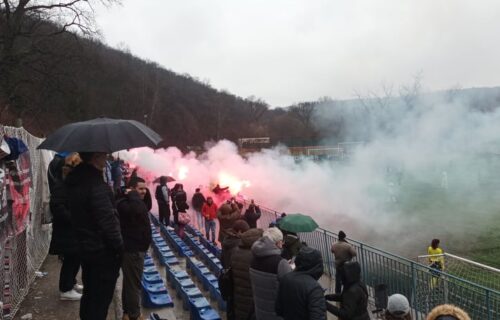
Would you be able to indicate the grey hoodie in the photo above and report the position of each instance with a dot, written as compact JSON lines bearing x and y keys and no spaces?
{"x":267,"y":265}
{"x":265,"y":251}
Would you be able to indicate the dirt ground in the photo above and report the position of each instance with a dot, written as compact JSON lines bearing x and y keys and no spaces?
{"x":43,"y":301}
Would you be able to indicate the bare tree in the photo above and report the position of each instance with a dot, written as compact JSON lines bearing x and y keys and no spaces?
{"x":410,"y":93}
{"x":304,"y":113}
{"x":255,"y":109}
{"x":26,"y":26}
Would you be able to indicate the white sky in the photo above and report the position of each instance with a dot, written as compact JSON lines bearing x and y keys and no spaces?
{"x":287,"y":51}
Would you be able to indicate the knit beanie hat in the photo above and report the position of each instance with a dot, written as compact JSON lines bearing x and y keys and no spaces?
{"x":398,"y":305}
{"x":274,"y":234}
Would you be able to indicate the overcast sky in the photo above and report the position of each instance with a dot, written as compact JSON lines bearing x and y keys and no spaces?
{"x":287,"y":51}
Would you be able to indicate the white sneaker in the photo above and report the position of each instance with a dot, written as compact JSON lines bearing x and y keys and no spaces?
{"x":70,"y":295}
{"x":170,"y":228}
{"x":78,"y":287}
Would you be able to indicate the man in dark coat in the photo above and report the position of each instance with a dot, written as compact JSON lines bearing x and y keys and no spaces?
{"x":299,"y":295}
{"x":240,"y":264}
{"x":136,"y":233}
{"x":354,"y":296}
{"x":231,"y":241}
{"x":63,"y":242}
{"x":98,"y":233}
{"x":197,"y":201}
{"x":266,"y":267}
{"x":252,"y":214}
{"x":163,"y":198}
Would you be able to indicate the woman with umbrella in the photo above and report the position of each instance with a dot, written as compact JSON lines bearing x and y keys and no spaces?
{"x":292,"y":224}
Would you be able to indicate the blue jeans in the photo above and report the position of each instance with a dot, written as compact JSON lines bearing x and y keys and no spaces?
{"x":199,"y":220}
{"x":210,"y":226}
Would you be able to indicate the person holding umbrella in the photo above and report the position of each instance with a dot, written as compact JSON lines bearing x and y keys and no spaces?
{"x":290,"y":225}
{"x":98,"y":233}
{"x":91,"y":202}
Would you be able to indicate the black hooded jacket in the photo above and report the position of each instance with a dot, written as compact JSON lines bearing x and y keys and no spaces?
{"x":63,"y":234}
{"x":92,"y":210}
{"x":134,"y":222}
{"x":299,"y":295}
{"x":354,"y":296}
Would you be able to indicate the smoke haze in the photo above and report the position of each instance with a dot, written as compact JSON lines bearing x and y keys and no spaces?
{"x":425,"y":170}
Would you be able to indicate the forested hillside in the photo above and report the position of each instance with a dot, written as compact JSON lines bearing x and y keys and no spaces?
{"x":52,"y":74}
{"x":55,"y":70}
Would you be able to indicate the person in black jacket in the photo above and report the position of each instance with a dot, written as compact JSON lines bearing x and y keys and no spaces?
{"x":136,"y":233}
{"x":299,"y":294}
{"x":63,"y":242}
{"x":252,"y":214}
{"x":98,"y":234}
{"x":354,"y":296}
{"x":180,"y":202}
{"x":197,"y":201}
{"x":162,"y":195}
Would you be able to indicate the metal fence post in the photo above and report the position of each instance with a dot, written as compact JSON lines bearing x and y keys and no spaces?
{"x":488,"y":305}
{"x":326,"y":253}
{"x":414,"y":289}
{"x":363,"y":262}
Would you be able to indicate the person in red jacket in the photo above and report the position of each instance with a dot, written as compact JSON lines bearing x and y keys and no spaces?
{"x":209,"y":211}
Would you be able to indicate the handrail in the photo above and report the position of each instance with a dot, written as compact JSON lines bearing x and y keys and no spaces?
{"x":419,"y":264}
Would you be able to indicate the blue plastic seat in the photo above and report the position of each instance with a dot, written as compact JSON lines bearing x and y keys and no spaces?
{"x":156,"y":300}
{"x":152,"y":278}
{"x":154,"y":287}
{"x":206,"y":279}
{"x":171,"y":261}
{"x":149,"y":269}
{"x":189,"y":293}
{"x":206,"y":314}
{"x":199,"y":303}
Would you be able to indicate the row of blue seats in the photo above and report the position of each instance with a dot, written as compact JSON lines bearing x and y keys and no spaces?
{"x":161,"y":249}
{"x":208,"y":279}
{"x":191,"y":295}
{"x":209,"y":258}
{"x":186,"y":289}
{"x":154,"y":292}
{"x":209,"y":245}
{"x":178,"y":245}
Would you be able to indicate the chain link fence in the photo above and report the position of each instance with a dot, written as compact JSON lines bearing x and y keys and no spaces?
{"x":22,"y":253}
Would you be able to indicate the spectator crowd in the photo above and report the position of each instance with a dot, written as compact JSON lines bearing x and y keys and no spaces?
{"x":101,"y":226}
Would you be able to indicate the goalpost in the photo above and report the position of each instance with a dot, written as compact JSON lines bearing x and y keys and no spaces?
{"x":472,"y":271}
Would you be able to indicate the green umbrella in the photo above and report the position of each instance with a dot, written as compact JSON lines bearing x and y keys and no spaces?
{"x":297,"y":222}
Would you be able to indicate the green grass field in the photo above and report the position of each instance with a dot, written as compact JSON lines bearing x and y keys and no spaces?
{"x":465,"y":216}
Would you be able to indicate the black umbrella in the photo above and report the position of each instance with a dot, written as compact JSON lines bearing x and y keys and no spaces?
{"x":101,"y":135}
{"x":169,"y":179}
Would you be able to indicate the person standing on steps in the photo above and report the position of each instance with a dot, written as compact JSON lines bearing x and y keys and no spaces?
{"x":162,"y":195}
{"x":97,"y":226}
{"x":209,"y":211}
{"x":197,"y":201}
{"x":343,"y":252}
{"x":136,"y":233}
{"x":252,"y":214}
{"x":63,"y":242}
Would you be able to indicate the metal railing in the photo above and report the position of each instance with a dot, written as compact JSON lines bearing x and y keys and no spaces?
{"x":424,"y":287}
